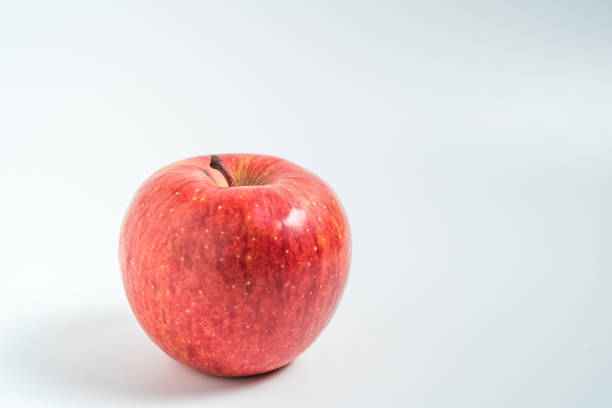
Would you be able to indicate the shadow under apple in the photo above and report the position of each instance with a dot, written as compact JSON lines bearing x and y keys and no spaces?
{"x":107,"y":353}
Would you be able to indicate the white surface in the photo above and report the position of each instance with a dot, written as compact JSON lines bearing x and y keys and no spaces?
{"x":471,"y":147}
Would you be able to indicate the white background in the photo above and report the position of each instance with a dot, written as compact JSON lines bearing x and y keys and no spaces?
{"x":471,"y":146}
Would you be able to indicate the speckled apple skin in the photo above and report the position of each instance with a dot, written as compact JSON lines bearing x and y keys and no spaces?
{"x":234,"y":281}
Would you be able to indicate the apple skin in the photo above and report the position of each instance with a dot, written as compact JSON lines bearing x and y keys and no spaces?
{"x":234,"y":281}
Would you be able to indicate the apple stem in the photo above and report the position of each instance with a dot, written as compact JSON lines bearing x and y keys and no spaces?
{"x":217,"y":164}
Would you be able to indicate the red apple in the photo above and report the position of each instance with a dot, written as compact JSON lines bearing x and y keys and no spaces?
{"x":234,"y":264}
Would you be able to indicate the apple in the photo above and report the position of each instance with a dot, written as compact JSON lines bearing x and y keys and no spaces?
{"x":234,"y":264}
